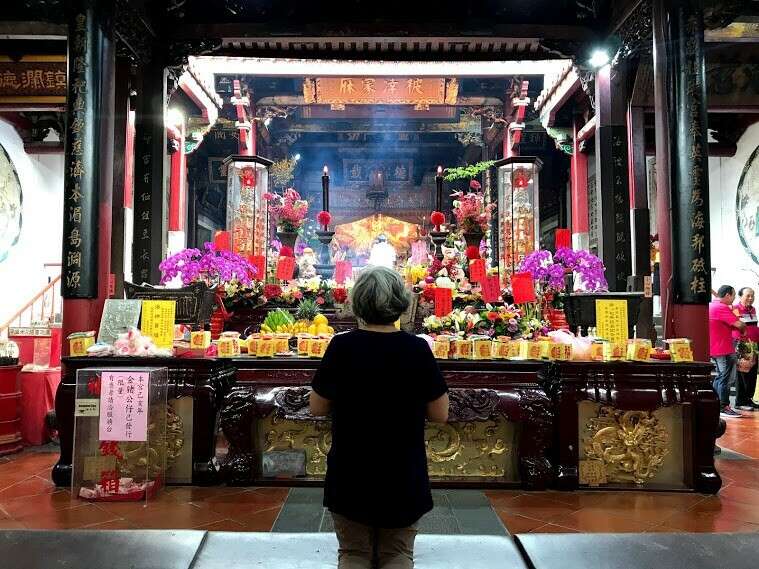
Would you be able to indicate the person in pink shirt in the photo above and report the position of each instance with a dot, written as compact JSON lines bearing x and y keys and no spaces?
{"x":722,"y":322}
{"x":745,"y":383}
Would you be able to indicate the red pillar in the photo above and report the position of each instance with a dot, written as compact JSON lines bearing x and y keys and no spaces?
{"x":177,"y":186}
{"x":579,"y":192}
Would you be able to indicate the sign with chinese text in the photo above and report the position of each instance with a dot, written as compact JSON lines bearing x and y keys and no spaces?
{"x":119,"y":316}
{"x":611,"y":320}
{"x":33,"y":79}
{"x":194,"y":303}
{"x":124,"y":406}
{"x":443,"y":301}
{"x":491,"y":289}
{"x":285,"y":268}
{"x":592,"y":473}
{"x":343,"y":270}
{"x":259,"y":262}
{"x":417,"y":91}
{"x":477,"y":270}
{"x":617,"y":257}
{"x":158,"y":321}
{"x":523,"y":288}
{"x":87,"y":408}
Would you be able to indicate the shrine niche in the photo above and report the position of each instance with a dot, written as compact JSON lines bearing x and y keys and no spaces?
{"x":359,"y":236}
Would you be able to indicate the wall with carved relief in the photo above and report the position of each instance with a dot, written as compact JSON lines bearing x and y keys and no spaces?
{"x":734,"y":211}
{"x":22,"y":271}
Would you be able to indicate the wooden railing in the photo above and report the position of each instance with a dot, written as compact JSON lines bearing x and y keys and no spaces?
{"x":44,"y":308}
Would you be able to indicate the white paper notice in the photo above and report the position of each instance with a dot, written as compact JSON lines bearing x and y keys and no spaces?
{"x":124,"y":406}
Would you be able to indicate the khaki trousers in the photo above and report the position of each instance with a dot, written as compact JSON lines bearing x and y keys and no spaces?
{"x":365,"y":547}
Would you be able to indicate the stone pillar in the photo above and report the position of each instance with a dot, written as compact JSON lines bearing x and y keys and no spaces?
{"x":88,"y":167}
{"x":639,"y":214}
{"x":682,"y":175}
{"x":611,"y":175}
{"x":579,"y":189}
{"x":150,"y":229}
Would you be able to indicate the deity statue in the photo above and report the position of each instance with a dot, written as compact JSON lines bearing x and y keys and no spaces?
{"x":307,"y":264}
{"x":382,"y":253}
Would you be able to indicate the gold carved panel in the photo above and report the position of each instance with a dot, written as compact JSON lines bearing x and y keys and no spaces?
{"x":632,"y":447}
{"x":454,"y":450}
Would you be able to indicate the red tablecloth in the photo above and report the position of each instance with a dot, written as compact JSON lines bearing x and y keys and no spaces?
{"x":37,"y":398}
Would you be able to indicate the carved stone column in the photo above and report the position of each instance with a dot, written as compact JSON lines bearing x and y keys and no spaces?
{"x":88,"y":160}
{"x":682,"y":169}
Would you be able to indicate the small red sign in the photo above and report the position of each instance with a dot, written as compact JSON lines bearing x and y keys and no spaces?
{"x":523,"y":288}
{"x":491,"y":289}
{"x":443,"y":301}
{"x":285,"y":268}
{"x":563,"y":238}
{"x":221,"y":241}
{"x":477,"y":271}
{"x":343,"y":270}
{"x":259,"y":263}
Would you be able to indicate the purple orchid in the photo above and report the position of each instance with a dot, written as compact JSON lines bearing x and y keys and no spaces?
{"x":212,"y":267}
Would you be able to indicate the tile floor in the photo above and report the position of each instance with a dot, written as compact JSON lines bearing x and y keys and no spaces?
{"x":28,"y":499}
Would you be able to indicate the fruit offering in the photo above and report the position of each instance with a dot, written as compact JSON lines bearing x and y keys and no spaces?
{"x":278,"y":321}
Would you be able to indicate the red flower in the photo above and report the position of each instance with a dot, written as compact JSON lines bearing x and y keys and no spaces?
{"x":492,"y":316}
{"x":272,"y":291}
{"x":340,"y":295}
{"x":298,"y":294}
{"x":286,"y":251}
{"x":472,"y":252}
{"x":437,"y":218}
{"x":323,"y":217}
{"x":475,"y":186}
{"x":319,"y":300}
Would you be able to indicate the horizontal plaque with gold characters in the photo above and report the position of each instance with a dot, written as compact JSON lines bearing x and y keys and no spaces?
{"x":417,"y":91}
{"x":33,"y":79}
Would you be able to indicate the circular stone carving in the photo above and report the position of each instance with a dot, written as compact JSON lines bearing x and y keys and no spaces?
{"x":747,"y":206}
{"x":10,"y":205}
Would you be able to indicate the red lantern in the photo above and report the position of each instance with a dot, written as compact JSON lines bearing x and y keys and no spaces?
{"x":248,"y":177}
{"x":437,"y":219}
{"x":324,"y":217}
{"x":520,"y":178}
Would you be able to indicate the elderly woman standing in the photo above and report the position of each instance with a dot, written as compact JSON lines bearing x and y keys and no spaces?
{"x":380,"y":384}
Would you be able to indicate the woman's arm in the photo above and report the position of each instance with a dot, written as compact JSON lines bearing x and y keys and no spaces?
{"x":319,"y":406}
{"x":437,"y":410}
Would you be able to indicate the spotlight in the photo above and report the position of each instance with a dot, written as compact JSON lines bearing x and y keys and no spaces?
{"x":174,"y":117}
{"x":296,"y":157}
{"x":599,"y":58}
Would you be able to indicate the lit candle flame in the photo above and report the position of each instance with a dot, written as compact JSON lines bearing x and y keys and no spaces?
{"x":326,"y":170}
{"x":439,"y":170}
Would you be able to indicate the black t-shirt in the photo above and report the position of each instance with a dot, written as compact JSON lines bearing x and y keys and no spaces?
{"x":379,"y":385}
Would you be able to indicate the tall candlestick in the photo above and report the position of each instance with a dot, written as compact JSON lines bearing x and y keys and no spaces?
{"x":325,"y":189}
{"x":439,"y":181}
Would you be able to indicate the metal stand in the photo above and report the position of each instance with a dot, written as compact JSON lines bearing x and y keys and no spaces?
{"x":325,"y":268}
{"x":438,"y":238}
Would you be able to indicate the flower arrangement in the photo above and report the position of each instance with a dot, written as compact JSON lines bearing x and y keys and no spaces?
{"x":471,"y":212}
{"x":549,"y":270}
{"x":212,"y":267}
{"x":325,"y":293}
{"x":509,"y":320}
{"x":288,"y":209}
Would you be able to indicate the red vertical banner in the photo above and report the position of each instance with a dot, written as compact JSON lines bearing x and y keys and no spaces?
{"x":221,"y":241}
{"x":343,"y":270}
{"x":443,"y":301}
{"x":259,"y":263}
{"x":285,"y":268}
{"x":477,"y":271}
{"x":563,"y":238}
{"x":523,"y":288}
{"x":491,"y":289}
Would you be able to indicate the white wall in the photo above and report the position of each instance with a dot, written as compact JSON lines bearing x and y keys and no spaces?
{"x":732,"y":263}
{"x":22,"y":274}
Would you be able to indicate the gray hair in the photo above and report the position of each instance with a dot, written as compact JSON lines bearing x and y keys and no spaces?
{"x":379,"y":296}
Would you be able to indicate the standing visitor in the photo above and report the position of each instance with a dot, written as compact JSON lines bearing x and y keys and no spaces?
{"x":380,"y":385}
{"x":722,"y":322}
{"x":746,"y":379}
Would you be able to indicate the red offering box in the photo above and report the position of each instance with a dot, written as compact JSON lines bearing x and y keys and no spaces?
{"x":9,"y":430}
{"x":9,"y":379}
{"x":10,"y":406}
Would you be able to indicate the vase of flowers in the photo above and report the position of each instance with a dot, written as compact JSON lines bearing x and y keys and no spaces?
{"x":289,"y":212}
{"x":472,"y":213}
{"x":224,"y":272}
